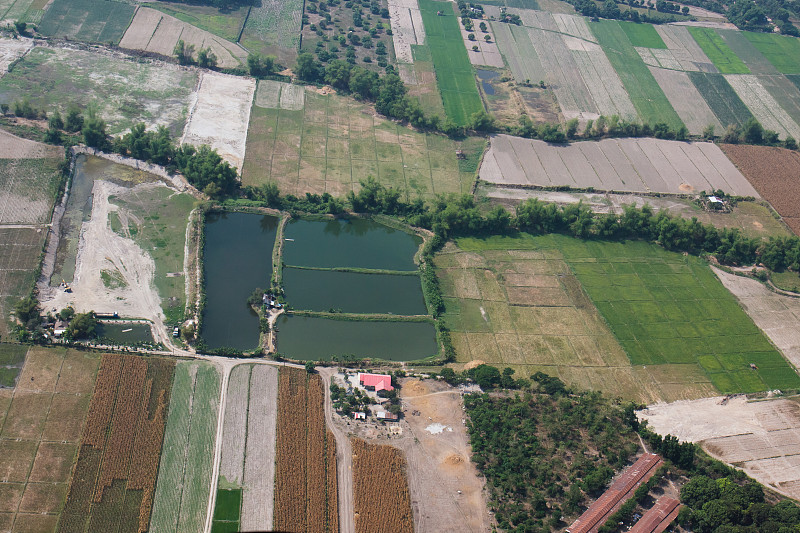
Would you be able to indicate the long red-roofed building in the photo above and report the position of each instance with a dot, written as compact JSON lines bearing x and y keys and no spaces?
{"x":658,"y":517}
{"x":378,"y":382}
{"x":617,"y":494}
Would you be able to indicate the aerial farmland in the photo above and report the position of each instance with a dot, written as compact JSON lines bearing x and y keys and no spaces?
{"x":398,"y":265}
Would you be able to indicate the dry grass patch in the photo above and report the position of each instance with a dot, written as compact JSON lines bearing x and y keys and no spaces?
{"x":43,"y":498}
{"x":18,"y":457}
{"x":53,"y":462}
{"x":10,"y":496}
{"x":35,"y":523}
{"x":26,"y":416}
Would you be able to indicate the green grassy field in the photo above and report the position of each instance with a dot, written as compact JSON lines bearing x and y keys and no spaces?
{"x":274,"y":28}
{"x":162,"y":216}
{"x":12,"y":356}
{"x":646,"y":95}
{"x":20,"y":250}
{"x":721,"y":98}
{"x":226,"y":24}
{"x":227,"y":511}
{"x":454,"y":73}
{"x":781,"y":50}
{"x":333,"y":143}
{"x":184,"y":477}
{"x":642,"y":35}
{"x":718,"y":52}
{"x":87,"y":20}
{"x":124,"y":92}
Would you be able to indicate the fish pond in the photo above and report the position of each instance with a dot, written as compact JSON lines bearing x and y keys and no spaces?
{"x":125,"y":333}
{"x":357,"y":266}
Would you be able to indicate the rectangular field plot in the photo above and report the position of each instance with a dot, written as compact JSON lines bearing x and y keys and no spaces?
{"x":644,"y":35}
{"x":28,"y":189}
{"x":686,"y":100}
{"x":87,"y":20}
{"x":454,"y":73}
{"x":649,"y":100}
{"x":125,"y":92}
{"x":184,"y":477}
{"x":41,"y":430}
{"x":684,"y":49}
{"x":273,"y":27}
{"x":763,"y":105}
{"x":330,"y":144}
{"x":721,"y":98}
{"x":19,"y":255}
{"x":407,"y":28}
{"x":781,"y":50}
{"x":613,"y":164}
{"x":718,"y":51}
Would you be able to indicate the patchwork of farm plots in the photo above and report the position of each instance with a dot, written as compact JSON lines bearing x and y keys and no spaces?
{"x":247,"y":462}
{"x":773,"y":172}
{"x":306,"y":488}
{"x":40,"y":435}
{"x":24,"y":10}
{"x":221,"y":95}
{"x":223,"y":23}
{"x":86,"y":20}
{"x":407,"y":28}
{"x":115,"y":474}
{"x":153,"y":31}
{"x":454,"y":73}
{"x":332,"y":143}
{"x":511,"y":302}
{"x":184,"y":477}
{"x":649,"y":165}
{"x":124,"y":92}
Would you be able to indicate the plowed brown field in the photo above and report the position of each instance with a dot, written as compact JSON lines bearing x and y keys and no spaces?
{"x":775,"y":174}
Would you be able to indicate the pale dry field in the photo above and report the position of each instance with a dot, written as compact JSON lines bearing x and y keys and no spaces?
{"x":13,"y":147}
{"x":760,"y":437}
{"x":11,"y":50}
{"x":763,"y":106}
{"x":156,"y":32}
{"x":629,"y":165}
{"x":221,"y":95}
{"x":407,"y":28}
{"x":686,"y":100}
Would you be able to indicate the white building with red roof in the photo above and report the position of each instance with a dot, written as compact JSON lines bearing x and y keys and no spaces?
{"x":376,"y":382}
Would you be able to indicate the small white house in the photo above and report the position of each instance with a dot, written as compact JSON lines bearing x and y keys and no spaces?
{"x":60,"y":328}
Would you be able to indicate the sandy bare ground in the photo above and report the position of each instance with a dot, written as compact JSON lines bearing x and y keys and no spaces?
{"x":777,"y":315}
{"x":13,"y":147}
{"x":11,"y":50}
{"x":407,"y":28}
{"x":217,"y":96}
{"x":157,"y":32}
{"x":100,"y":248}
{"x":760,"y":437}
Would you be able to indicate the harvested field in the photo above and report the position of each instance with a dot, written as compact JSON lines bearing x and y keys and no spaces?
{"x":86,"y":20}
{"x":121,"y":446}
{"x":380,"y":488}
{"x":763,"y":106}
{"x":686,"y":100}
{"x":11,"y":50}
{"x":248,"y":449}
{"x":221,"y":95}
{"x":777,"y":315}
{"x":649,"y":165}
{"x":153,"y":31}
{"x":225,"y":23}
{"x":28,"y":188}
{"x":773,"y":172}
{"x":760,"y":437}
{"x":40,"y":434}
{"x":333,"y":143}
{"x":125,"y":92}
{"x":454,"y":73}
{"x":184,"y":476}
{"x":20,"y":250}
{"x":306,"y":494}
{"x":13,"y":147}
{"x":407,"y":28}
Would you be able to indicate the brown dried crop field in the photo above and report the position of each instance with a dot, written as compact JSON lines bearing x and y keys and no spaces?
{"x":306,"y":493}
{"x":380,"y":488}
{"x":115,"y":474}
{"x":41,"y":421}
{"x":775,"y":174}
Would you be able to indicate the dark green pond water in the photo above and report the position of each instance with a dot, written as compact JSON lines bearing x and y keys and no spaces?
{"x":306,"y":338}
{"x":124,"y":333}
{"x":237,"y":259}
{"x":322,"y":290}
{"x":349,"y":243}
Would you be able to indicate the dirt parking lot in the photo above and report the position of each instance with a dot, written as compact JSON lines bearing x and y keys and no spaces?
{"x":760,"y":437}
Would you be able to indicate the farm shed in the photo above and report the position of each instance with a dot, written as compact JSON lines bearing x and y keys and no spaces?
{"x":60,"y":328}
{"x":617,"y":494}
{"x":385,"y":415}
{"x":658,"y":517}
{"x":376,"y":382}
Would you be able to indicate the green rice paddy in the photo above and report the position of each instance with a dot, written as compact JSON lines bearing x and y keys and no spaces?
{"x":227,"y":511}
{"x":454,"y":73}
{"x":646,"y":95}
{"x":718,"y":51}
{"x":642,"y":35}
{"x":781,"y":50}
{"x":87,"y":20}
{"x":721,"y":98}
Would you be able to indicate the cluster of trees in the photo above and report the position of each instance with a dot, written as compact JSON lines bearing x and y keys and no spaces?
{"x":486,"y":376}
{"x":544,"y":453}
{"x":361,"y":34}
{"x":747,"y":15}
{"x":203,"y":167}
{"x":261,"y":66}
{"x":610,"y":10}
{"x":91,"y":127}
{"x":185,"y":54}
{"x":349,"y":403}
{"x":752,"y":132}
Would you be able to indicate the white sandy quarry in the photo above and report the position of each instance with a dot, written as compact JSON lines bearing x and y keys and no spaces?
{"x":221,"y":95}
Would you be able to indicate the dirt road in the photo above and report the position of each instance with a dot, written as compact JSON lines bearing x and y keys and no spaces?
{"x":344,"y":460}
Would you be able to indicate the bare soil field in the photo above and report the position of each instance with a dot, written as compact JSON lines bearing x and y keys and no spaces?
{"x":42,"y":424}
{"x":248,"y":448}
{"x":760,"y":437}
{"x":13,"y":147}
{"x":773,"y":172}
{"x":221,"y":95}
{"x":153,"y":31}
{"x":11,"y":50}
{"x":407,"y":28}
{"x":634,"y":165}
{"x":777,"y":315}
